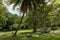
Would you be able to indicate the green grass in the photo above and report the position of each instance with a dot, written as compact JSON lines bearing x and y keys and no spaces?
{"x":21,"y":36}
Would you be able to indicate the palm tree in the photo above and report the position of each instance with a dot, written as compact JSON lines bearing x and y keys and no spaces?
{"x":25,"y":5}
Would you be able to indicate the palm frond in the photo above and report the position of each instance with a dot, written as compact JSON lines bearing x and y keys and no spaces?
{"x":17,"y":2}
{"x":12,"y":1}
{"x":25,"y":4}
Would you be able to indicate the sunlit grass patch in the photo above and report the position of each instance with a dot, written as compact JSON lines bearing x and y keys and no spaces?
{"x":21,"y":35}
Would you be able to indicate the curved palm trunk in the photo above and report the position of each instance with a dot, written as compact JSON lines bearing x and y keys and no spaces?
{"x":19,"y":25}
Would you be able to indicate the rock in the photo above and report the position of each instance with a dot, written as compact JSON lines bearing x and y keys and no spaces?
{"x":28,"y":35}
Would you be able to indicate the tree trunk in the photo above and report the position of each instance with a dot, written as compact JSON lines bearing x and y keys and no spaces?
{"x":19,"y":25}
{"x":34,"y":29}
{"x":44,"y":28}
{"x":35,"y":20}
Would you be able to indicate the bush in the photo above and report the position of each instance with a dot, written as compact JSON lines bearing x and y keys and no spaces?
{"x":13,"y":27}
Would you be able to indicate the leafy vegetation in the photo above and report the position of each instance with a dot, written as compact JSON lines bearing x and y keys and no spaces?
{"x":40,"y":20}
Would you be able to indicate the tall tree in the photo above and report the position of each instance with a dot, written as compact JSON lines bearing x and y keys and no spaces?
{"x":25,"y":5}
{"x":46,"y":9}
{"x":3,"y":18}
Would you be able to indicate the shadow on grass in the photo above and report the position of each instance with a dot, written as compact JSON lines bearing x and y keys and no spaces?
{"x":4,"y":30}
{"x":38,"y":32}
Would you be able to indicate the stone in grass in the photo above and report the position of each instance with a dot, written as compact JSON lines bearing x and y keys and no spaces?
{"x":29,"y":35}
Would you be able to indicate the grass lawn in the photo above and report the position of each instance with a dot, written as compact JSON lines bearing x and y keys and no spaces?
{"x":35,"y":36}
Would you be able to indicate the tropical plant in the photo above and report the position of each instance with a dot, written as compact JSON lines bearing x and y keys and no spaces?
{"x":24,"y":6}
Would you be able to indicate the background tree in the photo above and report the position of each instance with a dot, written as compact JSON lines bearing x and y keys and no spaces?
{"x":3,"y":18}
